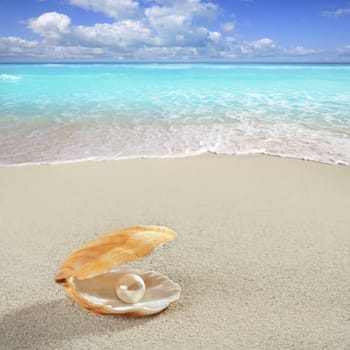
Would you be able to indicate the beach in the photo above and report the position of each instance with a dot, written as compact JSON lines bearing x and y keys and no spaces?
{"x":262,"y":253}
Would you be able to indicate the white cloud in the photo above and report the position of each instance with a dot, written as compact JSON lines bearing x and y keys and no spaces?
{"x":228,"y":26}
{"x":161,"y":25}
{"x":162,"y":53}
{"x":344,"y":51}
{"x":173,"y":22}
{"x":261,"y":47}
{"x":190,"y":8}
{"x":118,"y":9}
{"x":234,"y":48}
{"x":51,"y":25}
{"x":13,"y":46}
{"x":122,"y":34}
{"x":301,"y":51}
{"x":70,"y":52}
{"x":130,"y":9}
{"x":170,"y":26}
{"x":337,"y":13}
{"x":262,"y":44}
{"x":163,"y":30}
{"x":14,"y":41}
{"x":56,"y":28}
{"x":110,"y":42}
{"x":215,"y":36}
{"x":162,"y":18}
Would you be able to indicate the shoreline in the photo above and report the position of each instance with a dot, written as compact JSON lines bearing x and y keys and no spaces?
{"x":199,"y":154}
{"x":261,"y":255}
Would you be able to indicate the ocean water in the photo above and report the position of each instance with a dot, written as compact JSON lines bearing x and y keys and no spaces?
{"x":70,"y":112}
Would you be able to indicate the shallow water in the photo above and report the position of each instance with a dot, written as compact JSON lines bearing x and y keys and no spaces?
{"x":67,"y":112}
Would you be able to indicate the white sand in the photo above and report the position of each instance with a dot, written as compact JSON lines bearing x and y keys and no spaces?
{"x":262,"y":255}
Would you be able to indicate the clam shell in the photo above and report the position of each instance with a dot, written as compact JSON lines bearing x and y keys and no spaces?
{"x":89,"y":275}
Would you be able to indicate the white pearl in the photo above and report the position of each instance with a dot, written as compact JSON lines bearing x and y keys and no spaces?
{"x":131,"y":288}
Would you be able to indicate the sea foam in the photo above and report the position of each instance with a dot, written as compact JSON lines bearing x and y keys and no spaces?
{"x":9,"y":77}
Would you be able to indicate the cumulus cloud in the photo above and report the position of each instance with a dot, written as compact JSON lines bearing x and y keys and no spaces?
{"x":163,"y":24}
{"x":16,"y":42}
{"x":51,"y":25}
{"x":228,"y":26}
{"x":120,"y":35}
{"x":62,"y":52}
{"x":301,"y":51}
{"x":13,"y":46}
{"x":265,"y":43}
{"x":117,"y":9}
{"x":264,"y":46}
{"x":344,"y":51}
{"x":215,"y":36}
{"x":337,"y":13}
{"x":163,"y":30}
{"x":129,"y":9}
{"x":190,"y":8}
{"x":173,"y":26}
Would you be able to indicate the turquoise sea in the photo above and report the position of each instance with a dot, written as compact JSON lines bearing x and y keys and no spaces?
{"x":70,"y":112}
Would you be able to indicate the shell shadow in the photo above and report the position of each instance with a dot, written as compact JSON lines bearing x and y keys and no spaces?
{"x":45,"y":323}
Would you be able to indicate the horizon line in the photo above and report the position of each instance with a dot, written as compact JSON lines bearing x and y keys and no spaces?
{"x":173,"y":62}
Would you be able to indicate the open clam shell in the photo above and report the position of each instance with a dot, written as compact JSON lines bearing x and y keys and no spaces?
{"x":89,"y":275}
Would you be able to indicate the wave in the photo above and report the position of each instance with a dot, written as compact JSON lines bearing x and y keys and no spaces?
{"x":9,"y":77}
{"x":99,"y":140}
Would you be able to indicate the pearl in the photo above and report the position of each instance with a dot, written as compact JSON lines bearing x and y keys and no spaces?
{"x":131,"y":288}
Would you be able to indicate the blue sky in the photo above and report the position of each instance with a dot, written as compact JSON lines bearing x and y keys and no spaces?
{"x":175,"y":30}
